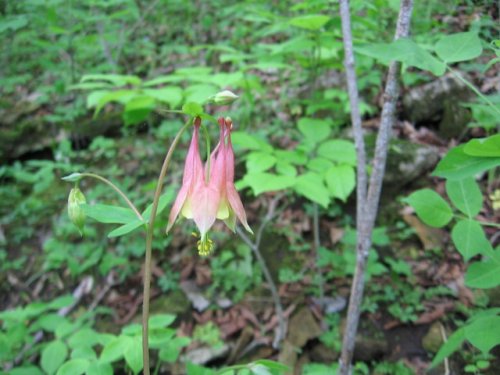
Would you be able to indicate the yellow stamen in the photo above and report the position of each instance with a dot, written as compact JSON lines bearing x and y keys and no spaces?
{"x":205,"y":246}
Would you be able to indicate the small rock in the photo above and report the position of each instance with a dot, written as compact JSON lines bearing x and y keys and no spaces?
{"x":433,"y":340}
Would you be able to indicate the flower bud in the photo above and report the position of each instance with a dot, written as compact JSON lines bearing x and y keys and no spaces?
{"x":75,"y":211}
{"x":224,"y":97}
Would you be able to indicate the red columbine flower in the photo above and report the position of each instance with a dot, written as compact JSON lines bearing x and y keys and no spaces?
{"x":208,"y":193}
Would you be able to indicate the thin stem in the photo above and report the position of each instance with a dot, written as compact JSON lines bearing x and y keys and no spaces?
{"x":255,"y":246}
{"x":115,"y":188}
{"x":473,"y":88}
{"x":317,"y":244}
{"x":149,"y":245}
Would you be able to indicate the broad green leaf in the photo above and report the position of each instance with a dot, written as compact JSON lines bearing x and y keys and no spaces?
{"x":469,"y":239}
{"x":83,"y":337}
{"x":115,"y":349}
{"x":133,"y":355}
{"x":284,"y":168}
{"x":338,"y":150}
{"x":453,"y":343}
{"x":125,"y":229}
{"x":76,"y":366}
{"x":84,"y":352}
{"x":319,"y":165}
{"x":459,"y":47}
{"x":273,"y":365}
{"x":53,"y":356}
{"x":138,"y":109}
{"x":260,"y":161}
{"x":250,"y":142}
{"x":161,"y":320}
{"x":26,"y":370}
{"x":465,"y":195}
{"x":457,"y":164}
{"x":430,"y":207}
{"x":120,"y":96}
{"x":200,"y":93}
{"x":109,"y":214}
{"x":49,"y":322}
{"x":170,"y":350}
{"x":294,"y":157}
{"x":116,"y":79}
{"x":97,"y":368}
{"x":484,"y":333}
{"x":406,"y":51}
{"x":313,"y":129}
{"x":60,"y":302}
{"x":486,"y":147}
{"x":171,"y":95}
{"x":263,"y":182}
{"x":192,"y":109}
{"x":340,"y":181}
{"x":311,"y":186}
{"x":484,"y":275}
{"x":310,"y":22}
{"x":258,"y":369}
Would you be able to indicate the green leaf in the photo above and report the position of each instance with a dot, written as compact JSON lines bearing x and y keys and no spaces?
{"x":120,"y":96}
{"x":250,"y":142}
{"x":53,"y":356}
{"x":341,"y":181}
{"x":73,"y":177}
{"x":484,"y":333}
{"x":486,"y":147}
{"x":84,"y":352}
{"x":319,"y":165}
{"x":138,"y":109}
{"x":263,"y":182}
{"x":294,"y":157}
{"x":133,"y":355}
{"x":192,"y":109}
{"x":83,"y":337}
{"x":161,"y":320}
{"x":115,"y":349}
{"x":430,"y":207}
{"x":315,"y":130}
{"x":259,"y":161}
{"x":311,"y":186}
{"x":125,"y":229}
{"x":457,"y":164}
{"x":310,"y":22}
{"x":26,"y":370}
{"x":165,"y":199}
{"x":273,"y":365}
{"x":49,"y":322}
{"x":116,"y":79}
{"x":469,"y":239}
{"x":170,"y":351}
{"x":483,"y":275}
{"x":465,"y":195}
{"x":76,"y":366}
{"x":62,"y":301}
{"x":97,"y":368}
{"x":285,"y":168}
{"x":258,"y":369}
{"x":171,"y":95}
{"x":338,"y":150}
{"x":109,"y":214}
{"x":459,"y":47}
{"x":453,"y":343}
{"x":406,"y":51}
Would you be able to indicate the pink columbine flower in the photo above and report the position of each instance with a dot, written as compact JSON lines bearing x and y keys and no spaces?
{"x":208,"y":192}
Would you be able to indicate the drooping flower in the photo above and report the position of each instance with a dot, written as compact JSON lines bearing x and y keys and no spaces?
{"x":208,"y":193}
{"x":230,"y":195}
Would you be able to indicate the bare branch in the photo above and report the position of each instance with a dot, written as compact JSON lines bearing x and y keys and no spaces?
{"x":367,"y":205}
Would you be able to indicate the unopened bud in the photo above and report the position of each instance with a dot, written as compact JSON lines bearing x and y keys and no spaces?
{"x":75,"y":211}
{"x":224,"y":97}
{"x":229,"y":122}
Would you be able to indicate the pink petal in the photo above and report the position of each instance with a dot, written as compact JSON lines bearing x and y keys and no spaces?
{"x":237,"y":206}
{"x":205,"y":202}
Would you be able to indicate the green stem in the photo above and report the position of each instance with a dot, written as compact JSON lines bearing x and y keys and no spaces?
{"x":115,"y":188}
{"x":149,"y":245}
{"x":231,"y":368}
{"x":473,"y":88}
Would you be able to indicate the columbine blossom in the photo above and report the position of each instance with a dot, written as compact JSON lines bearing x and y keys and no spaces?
{"x":208,"y":191}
